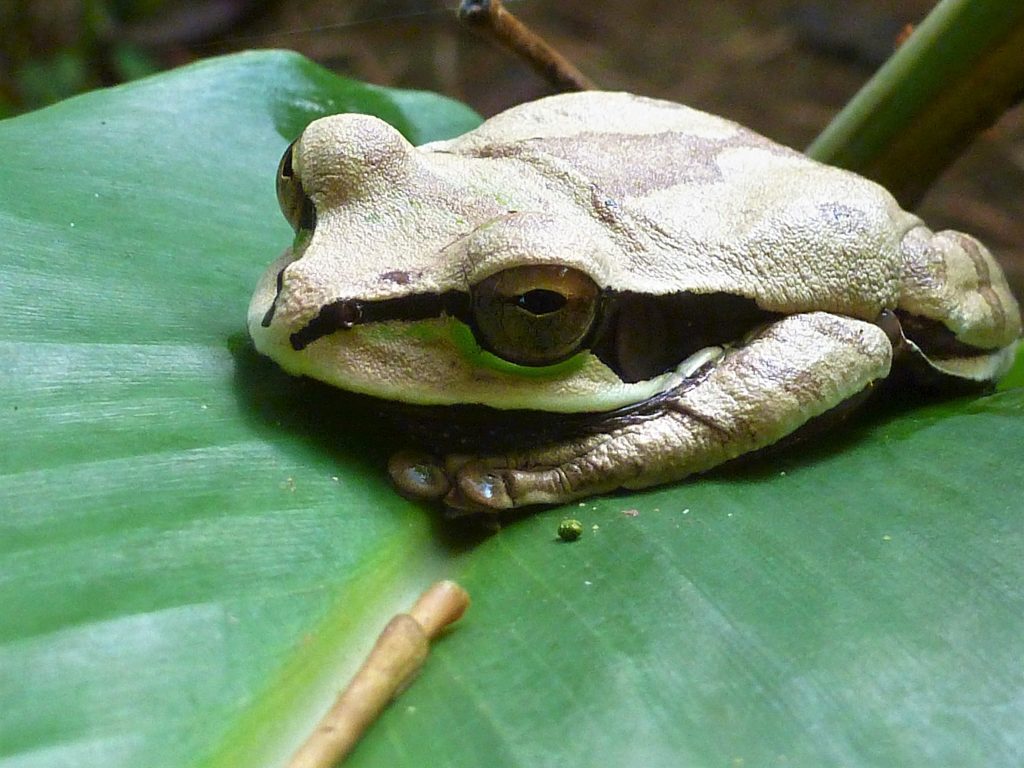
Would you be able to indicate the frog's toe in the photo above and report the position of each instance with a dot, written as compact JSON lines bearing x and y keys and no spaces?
{"x":418,"y":475}
{"x":485,"y":487}
{"x":480,"y":488}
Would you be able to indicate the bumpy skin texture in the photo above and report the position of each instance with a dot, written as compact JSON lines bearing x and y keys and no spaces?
{"x":648,"y":198}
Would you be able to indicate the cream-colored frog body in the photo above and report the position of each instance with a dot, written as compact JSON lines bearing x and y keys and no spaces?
{"x":649,"y":289}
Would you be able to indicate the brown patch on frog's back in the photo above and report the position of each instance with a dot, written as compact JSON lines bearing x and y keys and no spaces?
{"x":624,"y":165}
{"x":397,"y":277}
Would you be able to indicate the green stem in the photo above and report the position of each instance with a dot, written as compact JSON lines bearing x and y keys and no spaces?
{"x":956,"y":74}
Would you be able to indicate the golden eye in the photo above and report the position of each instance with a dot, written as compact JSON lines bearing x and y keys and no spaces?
{"x":536,"y":315}
{"x":295,"y":204}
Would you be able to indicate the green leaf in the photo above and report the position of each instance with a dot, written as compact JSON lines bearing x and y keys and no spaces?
{"x":168,"y":539}
{"x":857,"y":606}
{"x":196,"y":549}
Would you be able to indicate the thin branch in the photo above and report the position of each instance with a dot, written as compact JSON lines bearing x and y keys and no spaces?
{"x":490,"y":19}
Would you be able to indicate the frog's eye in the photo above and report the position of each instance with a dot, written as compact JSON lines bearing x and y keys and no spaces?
{"x":536,"y":315}
{"x":295,"y":204}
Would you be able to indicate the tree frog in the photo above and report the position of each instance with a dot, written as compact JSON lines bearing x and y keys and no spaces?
{"x":632,"y":290}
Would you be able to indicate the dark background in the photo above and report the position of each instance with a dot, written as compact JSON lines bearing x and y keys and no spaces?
{"x":783,"y":67}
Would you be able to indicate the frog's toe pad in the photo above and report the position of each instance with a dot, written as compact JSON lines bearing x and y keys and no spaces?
{"x":478,"y":487}
{"x":418,"y":475}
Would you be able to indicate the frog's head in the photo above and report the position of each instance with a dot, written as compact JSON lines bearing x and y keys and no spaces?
{"x":424,"y":277}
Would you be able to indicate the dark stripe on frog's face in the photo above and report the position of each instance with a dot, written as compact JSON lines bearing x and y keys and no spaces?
{"x":345,"y":314}
{"x":638,"y":336}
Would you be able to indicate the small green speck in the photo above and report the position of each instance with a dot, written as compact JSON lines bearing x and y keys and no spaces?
{"x":570,"y":530}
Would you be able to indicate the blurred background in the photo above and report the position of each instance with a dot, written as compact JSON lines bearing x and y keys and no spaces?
{"x":783,"y":67}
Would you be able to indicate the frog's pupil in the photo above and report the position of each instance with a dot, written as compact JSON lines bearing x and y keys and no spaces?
{"x":541,"y":302}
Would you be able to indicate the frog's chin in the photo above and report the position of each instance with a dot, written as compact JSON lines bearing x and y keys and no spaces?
{"x":474,"y":428}
{"x":589,"y":387}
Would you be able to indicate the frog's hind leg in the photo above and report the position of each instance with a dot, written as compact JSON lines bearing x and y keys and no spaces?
{"x":790,"y":372}
{"x":956,"y":311}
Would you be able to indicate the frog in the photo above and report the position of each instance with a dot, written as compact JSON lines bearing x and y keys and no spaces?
{"x":634,"y":290}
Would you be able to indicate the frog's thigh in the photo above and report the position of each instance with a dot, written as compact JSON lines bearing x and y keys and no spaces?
{"x":790,"y":372}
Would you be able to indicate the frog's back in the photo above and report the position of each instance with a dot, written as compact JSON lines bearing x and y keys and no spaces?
{"x":700,"y":203}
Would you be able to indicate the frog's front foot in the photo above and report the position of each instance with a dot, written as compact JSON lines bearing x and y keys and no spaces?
{"x":791,"y":371}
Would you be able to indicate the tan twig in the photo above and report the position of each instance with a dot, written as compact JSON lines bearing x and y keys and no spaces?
{"x":492,"y":20}
{"x":396,"y":657}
